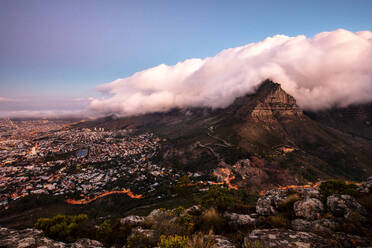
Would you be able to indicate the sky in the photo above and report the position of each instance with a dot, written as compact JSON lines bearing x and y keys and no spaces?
{"x":54,"y":54}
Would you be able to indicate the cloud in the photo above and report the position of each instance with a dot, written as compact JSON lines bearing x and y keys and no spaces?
{"x":330,"y":69}
{"x":5,"y":99}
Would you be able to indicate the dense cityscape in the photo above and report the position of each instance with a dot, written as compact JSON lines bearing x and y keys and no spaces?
{"x":49,"y":157}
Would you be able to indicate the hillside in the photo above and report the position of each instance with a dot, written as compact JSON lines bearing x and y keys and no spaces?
{"x":284,"y":145}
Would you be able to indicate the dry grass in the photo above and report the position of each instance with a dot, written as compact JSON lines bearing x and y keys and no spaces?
{"x":199,"y":240}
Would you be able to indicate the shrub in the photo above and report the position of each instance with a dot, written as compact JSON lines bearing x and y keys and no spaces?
{"x":199,"y":240}
{"x":62,"y":227}
{"x":140,"y":241}
{"x":277,"y":221}
{"x":256,"y":244}
{"x":212,"y":220}
{"x":175,"y":241}
{"x":104,"y":232}
{"x":337,"y":187}
{"x":218,"y":197}
{"x":178,"y":211}
{"x":286,"y":206}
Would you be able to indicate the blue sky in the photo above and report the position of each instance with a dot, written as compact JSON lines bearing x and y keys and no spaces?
{"x":64,"y":49}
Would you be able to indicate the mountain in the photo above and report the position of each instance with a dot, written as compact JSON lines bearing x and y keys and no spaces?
{"x":283,"y":144}
{"x":355,"y":119}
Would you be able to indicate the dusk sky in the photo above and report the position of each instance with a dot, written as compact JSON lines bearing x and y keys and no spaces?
{"x":53,"y":54}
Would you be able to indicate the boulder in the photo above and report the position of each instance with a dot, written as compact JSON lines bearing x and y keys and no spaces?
{"x":316,"y":226}
{"x":366,"y":186}
{"x":267,"y":204}
{"x":194,"y":210}
{"x":239,"y":220}
{"x":309,"y":192}
{"x":222,"y":242}
{"x":285,"y":238}
{"x":345,"y":206}
{"x":309,"y":208}
{"x":87,"y":243}
{"x":132,"y":220}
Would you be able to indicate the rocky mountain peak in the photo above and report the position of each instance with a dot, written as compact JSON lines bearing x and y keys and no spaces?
{"x":270,"y":102}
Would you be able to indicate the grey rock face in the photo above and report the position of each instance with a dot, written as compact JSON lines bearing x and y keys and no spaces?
{"x":366,"y":185}
{"x":132,"y":220}
{"x":344,"y":206}
{"x":222,"y":242}
{"x":87,"y":243}
{"x":239,"y":220}
{"x":194,"y":210}
{"x":309,"y":208}
{"x":316,"y":226}
{"x":267,"y":204}
{"x":31,"y":238}
{"x":285,"y":238}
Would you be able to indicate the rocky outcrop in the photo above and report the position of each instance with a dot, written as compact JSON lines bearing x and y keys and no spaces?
{"x":87,"y":243}
{"x":194,"y":210}
{"x":239,"y":220}
{"x":132,"y":220}
{"x":345,"y":206}
{"x":267,"y":204}
{"x":366,"y":186}
{"x":285,"y":238}
{"x":309,"y":208}
{"x":274,"y":102}
{"x":316,"y":226}
{"x":222,"y":242}
{"x":30,"y":238}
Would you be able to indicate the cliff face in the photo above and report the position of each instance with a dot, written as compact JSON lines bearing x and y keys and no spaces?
{"x":269,"y":103}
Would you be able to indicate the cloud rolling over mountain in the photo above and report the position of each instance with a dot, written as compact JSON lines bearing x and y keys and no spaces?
{"x":330,"y":69}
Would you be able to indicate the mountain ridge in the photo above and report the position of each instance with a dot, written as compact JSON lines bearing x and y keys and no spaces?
{"x":258,"y":126}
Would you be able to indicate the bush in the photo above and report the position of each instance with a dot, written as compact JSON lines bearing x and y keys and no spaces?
{"x":175,"y":241}
{"x":219,"y":198}
{"x":337,"y":187}
{"x":198,"y":240}
{"x":277,"y":221}
{"x":62,"y":227}
{"x":256,"y":244}
{"x":140,"y":241}
{"x":104,"y":232}
{"x":211,"y":220}
{"x":286,"y":206}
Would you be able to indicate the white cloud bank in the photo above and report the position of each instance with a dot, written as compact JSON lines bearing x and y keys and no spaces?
{"x":332,"y":68}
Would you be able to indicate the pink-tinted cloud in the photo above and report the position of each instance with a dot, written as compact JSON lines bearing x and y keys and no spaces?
{"x":332,"y":68}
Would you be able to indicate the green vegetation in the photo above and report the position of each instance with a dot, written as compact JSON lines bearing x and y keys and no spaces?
{"x":256,"y":244}
{"x":221,"y":198}
{"x":212,"y":220}
{"x":62,"y":227}
{"x":140,"y":241}
{"x":198,"y":240}
{"x":173,"y":241}
{"x":337,"y":187}
{"x":218,"y":197}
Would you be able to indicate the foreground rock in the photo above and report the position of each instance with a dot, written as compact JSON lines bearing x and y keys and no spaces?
{"x":310,"y":208}
{"x":132,"y":220}
{"x":222,"y":242}
{"x":267,"y":204}
{"x":239,"y":220}
{"x":317,"y":226}
{"x":366,"y":186}
{"x":30,"y":238}
{"x":345,"y":206}
{"x":285,"y":238}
